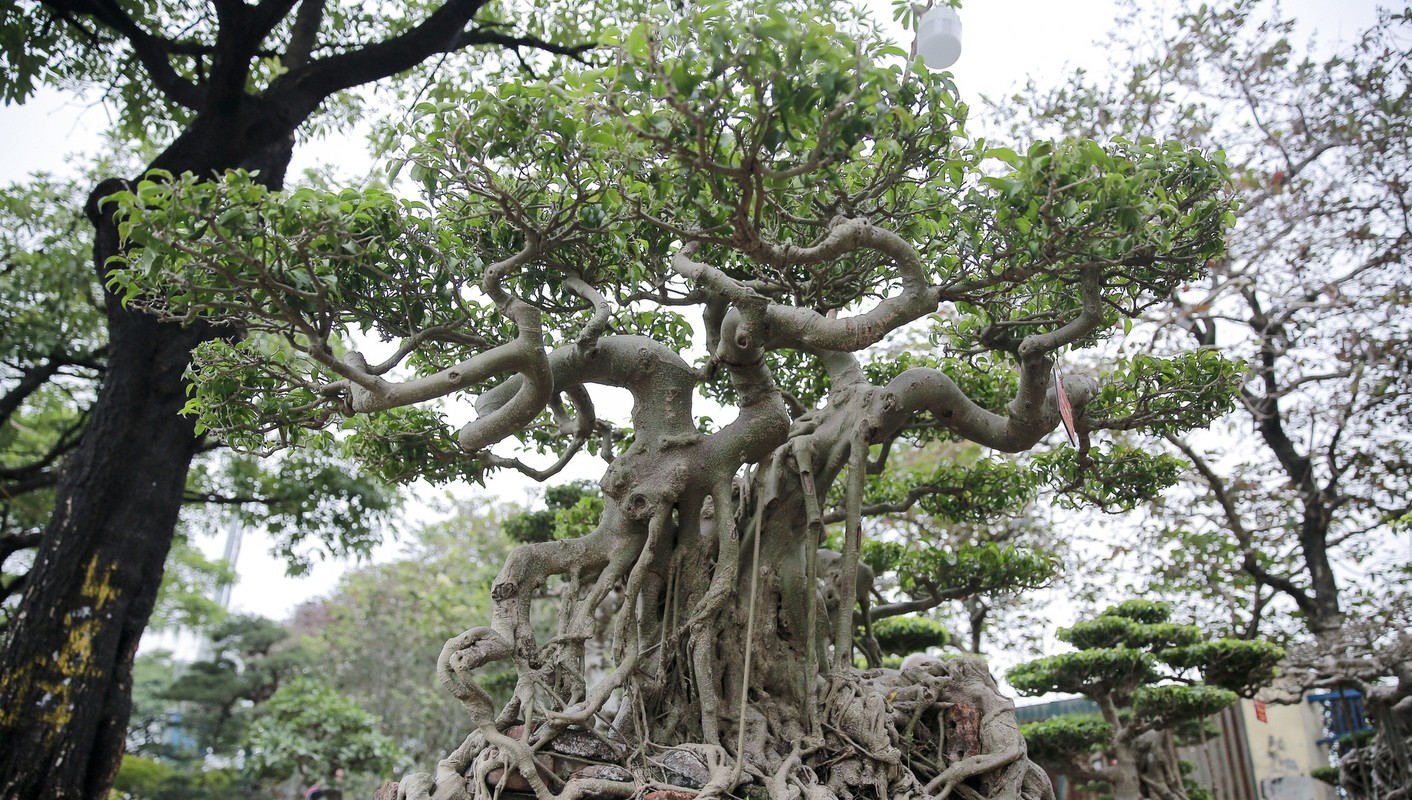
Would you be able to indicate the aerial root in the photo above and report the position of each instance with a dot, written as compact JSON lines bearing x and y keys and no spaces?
{"x":930,"y":733}
{"x":722,"y":775}
{"x":462,"y":655}
{"x":626,"y":641}
{"x":971,"y":767}
{"x":781,"y":785}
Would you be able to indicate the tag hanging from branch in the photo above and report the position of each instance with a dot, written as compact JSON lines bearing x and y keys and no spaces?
{"x":1066,"y":410}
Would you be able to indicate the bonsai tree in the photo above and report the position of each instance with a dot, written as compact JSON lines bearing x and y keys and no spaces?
{"x":1149,"y":677}
{"x":783,"y":175}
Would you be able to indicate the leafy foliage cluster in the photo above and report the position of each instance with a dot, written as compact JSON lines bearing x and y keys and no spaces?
{"x":961,"y":570}
{"x":1058,"y":738}
{"x":261,"y":706}
{"x":900,"y":636}
{"x":570,"y":510}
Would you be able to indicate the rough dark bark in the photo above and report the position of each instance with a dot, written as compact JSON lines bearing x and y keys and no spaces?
{"x":67,"y":656}
{"x":99,"y":566}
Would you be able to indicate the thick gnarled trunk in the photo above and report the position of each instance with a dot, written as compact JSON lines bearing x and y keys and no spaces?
{"x":725,"y":653}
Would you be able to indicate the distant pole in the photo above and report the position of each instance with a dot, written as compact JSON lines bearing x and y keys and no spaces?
{"x":234,"y":531}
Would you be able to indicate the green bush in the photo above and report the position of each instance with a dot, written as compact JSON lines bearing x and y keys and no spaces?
{"x":902,"y":635}
{"x":1055,"y":739}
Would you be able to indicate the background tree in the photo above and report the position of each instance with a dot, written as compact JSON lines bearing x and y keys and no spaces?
{"x":1311,"y":296}
{"x":407,"y":605}
{"x":1290,"y":523}
{"x":152,"y":673}
{"x":189,"y":721}
{"x":210,"y":88}
{"x":308,"y":731}
{"x":252,"y":657}
{"x":1149,"y":677}
{"x":778,"y":169}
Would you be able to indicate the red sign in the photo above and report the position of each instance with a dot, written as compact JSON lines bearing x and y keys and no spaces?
{"x":1260,"y":711}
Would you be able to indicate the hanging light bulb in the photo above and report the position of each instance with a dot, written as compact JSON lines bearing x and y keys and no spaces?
{"x":939,"y":36}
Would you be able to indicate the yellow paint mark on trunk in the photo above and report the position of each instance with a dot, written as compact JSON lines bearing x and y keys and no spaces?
{"x":46,"y":685}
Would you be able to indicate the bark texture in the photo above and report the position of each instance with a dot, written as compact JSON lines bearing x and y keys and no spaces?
{"x":723,"y":651}
{"x":67,"y":657}
{"x":65,"y":667}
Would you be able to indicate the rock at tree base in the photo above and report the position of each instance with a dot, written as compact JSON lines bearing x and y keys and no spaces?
{"x":685,"y":769}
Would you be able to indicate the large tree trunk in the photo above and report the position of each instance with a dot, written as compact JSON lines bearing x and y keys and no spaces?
{"x":66,"y":663}
{"x":67,"y":660}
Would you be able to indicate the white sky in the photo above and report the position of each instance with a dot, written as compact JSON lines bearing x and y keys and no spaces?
{"x":1003,"y":42}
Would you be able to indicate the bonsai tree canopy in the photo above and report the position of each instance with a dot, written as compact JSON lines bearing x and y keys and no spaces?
{"x":770,"y":186}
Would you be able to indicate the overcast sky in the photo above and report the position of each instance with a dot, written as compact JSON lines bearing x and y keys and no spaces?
{"x":1003,"y":42}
